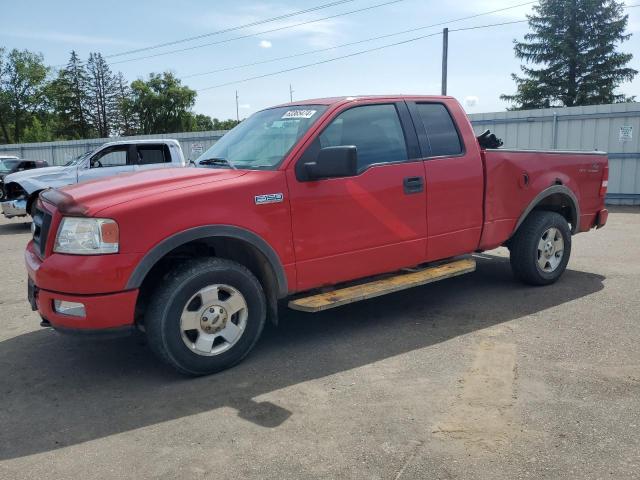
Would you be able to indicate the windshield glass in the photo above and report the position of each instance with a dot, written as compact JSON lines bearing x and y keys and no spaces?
{"x":77,"y":160}
{"x":263,"y":140}
{"x":7,"y":164}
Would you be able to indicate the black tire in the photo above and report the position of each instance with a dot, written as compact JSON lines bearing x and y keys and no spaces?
{"x":524,"y":248}
{"x":162,"y":318}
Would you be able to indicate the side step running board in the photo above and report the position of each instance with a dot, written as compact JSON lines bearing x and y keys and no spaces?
{"x":376,"y":288}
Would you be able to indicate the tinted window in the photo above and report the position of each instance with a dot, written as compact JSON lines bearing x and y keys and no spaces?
{"x":28,"y":165}
{"x":375,"y":130}
{"x":150,"y":154}
{"x":112,"y":157}
{"x":441,"y":131}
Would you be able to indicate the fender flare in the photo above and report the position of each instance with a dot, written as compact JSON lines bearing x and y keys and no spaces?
{"x":553,"y":190}
{"x":209,"y":231}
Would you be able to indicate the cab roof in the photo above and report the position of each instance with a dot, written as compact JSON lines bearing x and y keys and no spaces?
{"x":360,"y":98}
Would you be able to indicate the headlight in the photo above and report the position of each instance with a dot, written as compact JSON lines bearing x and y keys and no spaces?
{"x":87,"y":236}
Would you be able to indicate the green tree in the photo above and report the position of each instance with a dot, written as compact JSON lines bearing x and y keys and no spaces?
{"x":126,"y":120}
{"x":103,"y":94}
{"x":70,"y":101}
{"x":22,"y":87}
{"x":4,"y":101}
{"x":203,"y":123}
{"x":162,"y":104}
{"x":224,"y":124}
{"x":574,"y":44}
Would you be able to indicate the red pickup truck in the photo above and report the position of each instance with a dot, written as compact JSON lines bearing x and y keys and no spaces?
{"x":296,"y":199}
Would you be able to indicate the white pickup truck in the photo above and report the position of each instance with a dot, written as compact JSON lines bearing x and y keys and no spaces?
{"x":22,"y":188}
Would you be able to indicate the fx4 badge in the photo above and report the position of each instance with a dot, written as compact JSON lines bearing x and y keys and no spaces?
{"x":269,"y":198}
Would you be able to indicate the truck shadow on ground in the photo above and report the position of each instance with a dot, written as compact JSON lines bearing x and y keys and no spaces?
{"x":15,"y":228}
{"x":58,"y":391}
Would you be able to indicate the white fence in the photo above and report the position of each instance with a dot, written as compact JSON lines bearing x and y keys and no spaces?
{"x":59,"y":153}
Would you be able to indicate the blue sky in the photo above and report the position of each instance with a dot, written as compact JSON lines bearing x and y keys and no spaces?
{"x":480,"y":61}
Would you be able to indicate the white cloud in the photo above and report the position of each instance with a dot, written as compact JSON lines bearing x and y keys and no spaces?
{"x":265,"y":44}
{"x":471,"y":101}
{"x":244,"y":106}
{"x":62,"y":37}
{"x":323,"y":33}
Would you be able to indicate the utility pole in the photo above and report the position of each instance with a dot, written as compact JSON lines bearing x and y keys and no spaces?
{"x":237,"y":108}
{"x":445,"y":55}
{"x":290,"y":93}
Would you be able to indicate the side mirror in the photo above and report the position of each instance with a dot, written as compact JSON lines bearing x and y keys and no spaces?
{"x":334,"y":162}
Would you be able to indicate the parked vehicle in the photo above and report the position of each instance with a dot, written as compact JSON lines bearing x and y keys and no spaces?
{"x":9,"y":165}
{"x":22,"y":188}
{"x":299,"y":197}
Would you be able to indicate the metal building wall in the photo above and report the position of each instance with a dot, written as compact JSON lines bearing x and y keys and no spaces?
{"x":596,"y":127}
{"x":59,"y":153}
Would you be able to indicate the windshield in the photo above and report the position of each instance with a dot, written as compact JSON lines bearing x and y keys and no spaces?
{"x":77,"y":160}
{"x":263,"y":140}
{"x":8,"y":164}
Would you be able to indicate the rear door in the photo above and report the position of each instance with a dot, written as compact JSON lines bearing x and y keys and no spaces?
{"x":347,"y":228}
{"x":152,"y":155}
{"x":454,"y":178}
{"x":107,"y":162}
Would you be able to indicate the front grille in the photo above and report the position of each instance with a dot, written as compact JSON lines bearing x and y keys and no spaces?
{"x":41,"y":224}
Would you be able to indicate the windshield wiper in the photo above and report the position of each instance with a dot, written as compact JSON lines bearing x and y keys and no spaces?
{"x":217,"y":161}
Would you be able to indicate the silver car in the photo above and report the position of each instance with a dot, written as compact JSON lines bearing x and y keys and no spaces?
{"x":113,"y":158}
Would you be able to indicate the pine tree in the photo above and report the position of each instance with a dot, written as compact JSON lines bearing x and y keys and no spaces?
{"x":70,"y":99}
{"x":103,"y":92}
{"x":575,"y":43}
{"x":125,"y":122}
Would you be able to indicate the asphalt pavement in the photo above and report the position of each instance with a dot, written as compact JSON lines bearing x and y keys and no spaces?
{"x":474,"y":377}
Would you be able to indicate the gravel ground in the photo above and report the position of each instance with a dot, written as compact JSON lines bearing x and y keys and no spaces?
{"x":474,"y":377}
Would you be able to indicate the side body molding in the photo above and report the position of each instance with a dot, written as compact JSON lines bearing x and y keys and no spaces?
{"x":209,"y":231}
{"x":554,"y":190}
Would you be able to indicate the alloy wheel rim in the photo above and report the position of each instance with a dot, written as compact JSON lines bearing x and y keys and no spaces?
{"x":213,"y":319}
{"x":550,"y":250}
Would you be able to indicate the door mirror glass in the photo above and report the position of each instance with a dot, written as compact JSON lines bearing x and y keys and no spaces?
{"x":332,"y":162}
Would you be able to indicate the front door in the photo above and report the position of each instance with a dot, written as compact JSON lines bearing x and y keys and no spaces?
{"x":375,"y":222}
{"x":107,"y":162}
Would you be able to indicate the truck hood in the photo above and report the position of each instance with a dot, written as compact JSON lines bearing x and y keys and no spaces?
{"x":88,"y":198}
{"x":41,"y":178}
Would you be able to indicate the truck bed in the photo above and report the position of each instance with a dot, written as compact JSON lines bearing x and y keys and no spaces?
{"x":514,"y":178}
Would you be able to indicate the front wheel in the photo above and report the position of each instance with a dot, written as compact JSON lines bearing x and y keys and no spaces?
{"x":541,"y":248}
{"x":206,"y":316}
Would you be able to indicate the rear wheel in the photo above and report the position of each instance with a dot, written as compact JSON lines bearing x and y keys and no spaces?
{"x":206,"y":316}
{"x":541,"y":248}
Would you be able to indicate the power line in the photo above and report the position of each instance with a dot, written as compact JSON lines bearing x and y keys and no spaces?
{"x":354,"y":54}
{"x":230,"y":29}
{"x":180,"y":50}
{"x":366,"y":40}
{"x":361,"y":52}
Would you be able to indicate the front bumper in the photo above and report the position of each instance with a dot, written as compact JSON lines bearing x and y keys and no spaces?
{"x":112,"y":313}
{"x":108,"y":313}
{"x":14,"y":208}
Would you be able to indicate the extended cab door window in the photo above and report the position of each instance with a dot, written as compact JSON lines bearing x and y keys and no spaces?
{"x":153,"y":154}
{"x":442,"y":136}
{"x":375,"y":130}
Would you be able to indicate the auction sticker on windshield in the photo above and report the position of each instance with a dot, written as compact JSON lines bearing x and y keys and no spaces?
{"x":299,"y":114}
